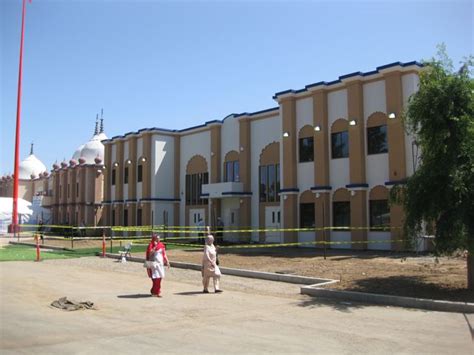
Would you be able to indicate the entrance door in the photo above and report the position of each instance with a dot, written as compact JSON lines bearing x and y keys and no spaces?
{"x":196,"y":214}
{"x":272,"y":221}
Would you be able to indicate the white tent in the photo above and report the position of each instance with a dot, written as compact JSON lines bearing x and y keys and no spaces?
{"x":6,"y":206}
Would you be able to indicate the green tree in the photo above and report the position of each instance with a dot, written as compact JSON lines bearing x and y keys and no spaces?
{"x":440,"y":194}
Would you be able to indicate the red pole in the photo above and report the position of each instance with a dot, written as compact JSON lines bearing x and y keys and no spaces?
{"x":38,"y":256}
{"x":17,"y":134}
{"x":103,"y":245}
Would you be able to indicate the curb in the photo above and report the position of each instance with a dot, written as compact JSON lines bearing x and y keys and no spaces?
{"x":41,"y":246}
{"x":388,"y":300}
{"x":301,"y":280}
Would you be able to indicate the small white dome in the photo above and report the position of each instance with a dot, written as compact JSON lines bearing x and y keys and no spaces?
{"x":92,"y":149}
{"x":31,"y":166}
{"x":77,"y":153}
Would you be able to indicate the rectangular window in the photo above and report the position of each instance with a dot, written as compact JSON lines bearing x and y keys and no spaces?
{"x":125,"y":175}
{"x":340,"y":145}
{"x":379,"y":211}
{"x":139,"y":217}
{"x":77,"y":189}
{"x":125,"y":217}
{"x":229,"y":171}
{"x":377,"y":140}
{"x":341,"y":212}
{"x":263,"y":184}
{"x":113,"y":217}
{"x":194,"y":184}
{"x":271,"y":176}
{"x":306,"y":149}
{"x":307,"y":219}
{"x":277,"y":177}
{"x":236,"y":171}
{"x":188,"y":189}
{"x":113,"y":176}
{"x":139,"y":173}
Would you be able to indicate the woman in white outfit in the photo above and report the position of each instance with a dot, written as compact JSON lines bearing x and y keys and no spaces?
{"x":209,"y":266}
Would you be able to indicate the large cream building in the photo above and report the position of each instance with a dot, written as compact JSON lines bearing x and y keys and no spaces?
{"x":327,"y":155}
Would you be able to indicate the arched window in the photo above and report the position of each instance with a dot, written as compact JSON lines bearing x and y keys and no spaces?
{"x":307,"y":216}
{"x":306,"y":144}
{"x":231,"y":167}
{"x":341,"y":209}
{"x":377,"y":133}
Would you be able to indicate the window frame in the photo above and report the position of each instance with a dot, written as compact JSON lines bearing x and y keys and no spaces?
{"x":305,"y":216}
{"x":377,"y":209}
{"x":344,"y":137}
{"x":306,"y":153}
{"x":372,"y":146}
{"x":338,"y":205}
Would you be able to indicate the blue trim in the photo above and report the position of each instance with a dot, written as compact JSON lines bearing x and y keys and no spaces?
{"x":396,"y":182}
{"x":131,"y":200}
{"x":293,"y":189}
{"x":159,"y":199}
{"x":346,"y":76}
{"x":321,"y":187}
{"x":117,"y":201}
{"x":237,"y":193}
{"x":351,"y":186}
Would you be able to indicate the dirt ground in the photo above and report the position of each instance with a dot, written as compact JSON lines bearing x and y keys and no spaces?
{"x":410,"y":275}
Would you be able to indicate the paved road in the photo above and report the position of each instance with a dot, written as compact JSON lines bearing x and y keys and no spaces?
{"x":251,"y":316}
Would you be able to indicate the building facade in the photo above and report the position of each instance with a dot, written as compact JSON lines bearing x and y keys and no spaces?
{"x":326,"y":156}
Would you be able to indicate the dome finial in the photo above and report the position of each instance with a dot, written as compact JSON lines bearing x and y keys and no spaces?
{"x":31,"y":149}
{"x":96,"y":130}
{"x":101,"y":121}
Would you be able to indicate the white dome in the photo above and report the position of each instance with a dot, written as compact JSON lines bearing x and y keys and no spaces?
{"x":92,"y":149}
{"x":77,"y":153}
{"x":31,"y":166}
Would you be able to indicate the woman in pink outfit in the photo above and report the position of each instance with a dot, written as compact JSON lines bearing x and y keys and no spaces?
{"x":209,"y":266}
{"x":156,"y":259}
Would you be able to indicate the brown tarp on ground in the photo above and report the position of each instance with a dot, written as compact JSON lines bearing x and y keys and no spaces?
{"x":69,"y":305}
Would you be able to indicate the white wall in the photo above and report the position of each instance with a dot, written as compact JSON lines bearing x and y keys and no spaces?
{"x":307,"y":237}
{"x":191,"y":145}
{"x":304,"y":116}
{"x":158,"y":207}
{"x":227,"y":206}
{"x":229,"y":139}
{"x":337,"y":236}
{"x":338,"y":168}
{"x":410,"y":84}
{"x":377,"y":169}
{"x":379,"y":236}
{"x":374,"y":98}
{"x":162,"y":163}
{"x":262,"y":133}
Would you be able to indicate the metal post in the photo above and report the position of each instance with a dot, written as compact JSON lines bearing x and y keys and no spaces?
{"x":324,"y":226}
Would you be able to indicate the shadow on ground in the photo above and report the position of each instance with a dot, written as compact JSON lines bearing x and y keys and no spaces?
{"x":137,"y":295}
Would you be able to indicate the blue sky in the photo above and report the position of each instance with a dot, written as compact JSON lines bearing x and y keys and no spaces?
{"x":176,"y":64}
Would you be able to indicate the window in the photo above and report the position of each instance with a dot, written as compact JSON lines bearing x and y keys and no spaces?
{"x":125,"y":175}
{"x":307,"y":219}
{"x":68,"y":191}
{"x":139,"y":217}
{"x":113,"y":217}
{"x":113,"y":176}
{"x":231,"y":171}
{"x":341,"y":212}
{"x":340,"y":145}
{"x":140,"y":173}
{"x":125,"y":217}
{"x":269,"y":183}
{"x":379,"y":211}
{"x":77,"y":189}
{"x":377,"y":140}
{"x":306,"y":149}
{"x":194,"y":184}
{"x":263,"y":184}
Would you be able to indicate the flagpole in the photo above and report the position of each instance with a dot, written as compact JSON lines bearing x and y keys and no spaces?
{"x":17,"y":134}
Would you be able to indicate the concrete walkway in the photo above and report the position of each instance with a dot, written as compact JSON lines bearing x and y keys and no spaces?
{"x":251,"y":316}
